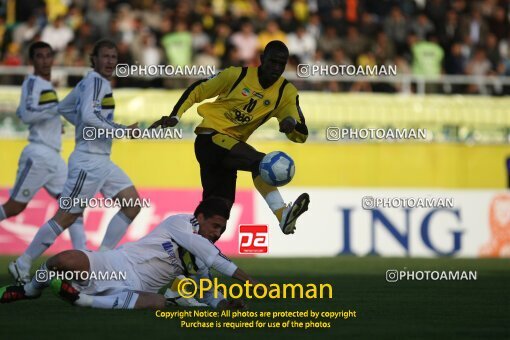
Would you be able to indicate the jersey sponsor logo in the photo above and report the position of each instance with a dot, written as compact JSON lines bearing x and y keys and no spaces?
{"x":258,"y":94}
{"x":238,"y":116}
{"x":169,"y":247}
{"x":245,"y":92}
{"x":253,"y":239}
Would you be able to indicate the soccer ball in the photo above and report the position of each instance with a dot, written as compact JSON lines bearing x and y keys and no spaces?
{"x":277,"y":168}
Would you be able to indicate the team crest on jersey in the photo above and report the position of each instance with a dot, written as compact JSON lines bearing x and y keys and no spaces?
{"x":245,"y":92}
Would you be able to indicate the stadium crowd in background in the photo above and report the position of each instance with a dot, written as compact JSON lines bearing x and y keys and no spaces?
{"x":433,"y":37}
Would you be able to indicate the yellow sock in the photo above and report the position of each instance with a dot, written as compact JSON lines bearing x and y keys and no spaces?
{"x":271,"y":195}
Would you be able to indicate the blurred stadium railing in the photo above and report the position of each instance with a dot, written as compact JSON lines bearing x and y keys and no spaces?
{"x":447,"y":118}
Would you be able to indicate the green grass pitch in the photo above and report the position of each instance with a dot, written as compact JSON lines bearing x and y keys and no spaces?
{"x":414,"y":309}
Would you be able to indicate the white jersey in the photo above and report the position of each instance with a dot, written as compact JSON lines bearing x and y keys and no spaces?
{"x":38,"y":109}
{"x":175,"y":248}
{"x":91,"y":106}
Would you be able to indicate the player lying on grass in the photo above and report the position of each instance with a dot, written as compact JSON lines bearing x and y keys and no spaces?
{"x":247,"y":98}
{"x":40,"y":164}
{"x":180,"y":245}
{"x":90,"y":104}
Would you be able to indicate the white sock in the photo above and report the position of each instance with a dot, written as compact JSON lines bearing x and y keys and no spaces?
{"x":116,"y":229}
{"x":274,"y":200}
{"x":38,"y":283}
{"x":77,"y":233}
{"x":43,"y":239}
{"x":2,"y":213}
{"x":124,"y":300}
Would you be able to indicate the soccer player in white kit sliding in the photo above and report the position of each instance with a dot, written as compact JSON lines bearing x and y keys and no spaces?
{"x":149,"y":263}
{"x":40,"y":164}
{"x":90,"y":104}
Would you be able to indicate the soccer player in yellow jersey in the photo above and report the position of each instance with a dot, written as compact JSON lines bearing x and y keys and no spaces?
{"x":247,"y":98}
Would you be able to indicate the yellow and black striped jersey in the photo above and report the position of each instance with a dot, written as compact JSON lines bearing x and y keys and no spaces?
{"x":242,"y":104}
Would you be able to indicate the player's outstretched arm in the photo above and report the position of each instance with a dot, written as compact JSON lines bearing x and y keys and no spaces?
{"x":197,"y":92}
{"x":291,"y":118}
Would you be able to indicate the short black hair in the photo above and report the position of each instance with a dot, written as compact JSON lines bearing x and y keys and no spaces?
{"x":212,"y":206}
{"x":37,"y":45}
{"x":99,"y":45}
{"x":276,"y":45}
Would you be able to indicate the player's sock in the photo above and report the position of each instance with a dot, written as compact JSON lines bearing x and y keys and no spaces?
{"x":38,"y":282}
{"x":124,"y":300}
{"x":2,"y":213}
{"x":272,"y":196}
{"x":43,"y":239}
{"x":116,"y":229}
{"x":77,"y":233}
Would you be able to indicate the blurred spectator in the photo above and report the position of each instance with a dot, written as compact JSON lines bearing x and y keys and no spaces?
{"x":247,"y":42}
{"x":478,"y":66}
{"x":261,"y":21}
{"x":178,"y":45}
{"x":422,"y":26}
{"x":302,"y":44}
{"x":70,"y":57}
{"x":492,"y":51}
{"x":58,"y":35}
{"x":206,"y":57}
{"x":99,"y":17}
{"x":243,"y":8}
{"x":153,"y":16}
{"x":314,"y":26}
{"x":365,"y":59}
{"x":84,"y":36}
{"x":455,"y":62}
{"x":427,"y":56}
{"x":369,"y":25}
{"x":150,"y":53}
{"x":383,"y":49}
{"x":74,"y":18}
{"x":13,"y":56}
{"x":274,"y":8}
{"x":271,"y":33}
{"x":449,"y":31}
{"x":199,"y":38}
{"x":287,"y":22}
{"x":301,"y":11}
{"x":336,"y":19}
{"x":221,"y":40}
{"x":126,"y":23}
{"x":329,"y":42}
{"x":498,"y":24}
{"x":355,"y":43}
{"x":475,"y":27}
{"x":436,"y":11}
{"x":25,"y":31}
{"x":395,"y":27}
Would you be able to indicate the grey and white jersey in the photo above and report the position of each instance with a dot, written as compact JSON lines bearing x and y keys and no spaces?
{"x":91,"y":106}
{"x":38,"y":109}
{"x":175,"y":248}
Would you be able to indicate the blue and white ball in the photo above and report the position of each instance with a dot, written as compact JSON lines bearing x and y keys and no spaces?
{"x":277,"y":168}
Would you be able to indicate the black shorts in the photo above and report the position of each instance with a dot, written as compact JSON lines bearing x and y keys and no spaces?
{"x":220,"y":157}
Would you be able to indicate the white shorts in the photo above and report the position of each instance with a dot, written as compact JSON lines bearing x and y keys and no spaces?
{"x":107,"y":263}
{"x":38,"y":166}
{"x":90,"y":174}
